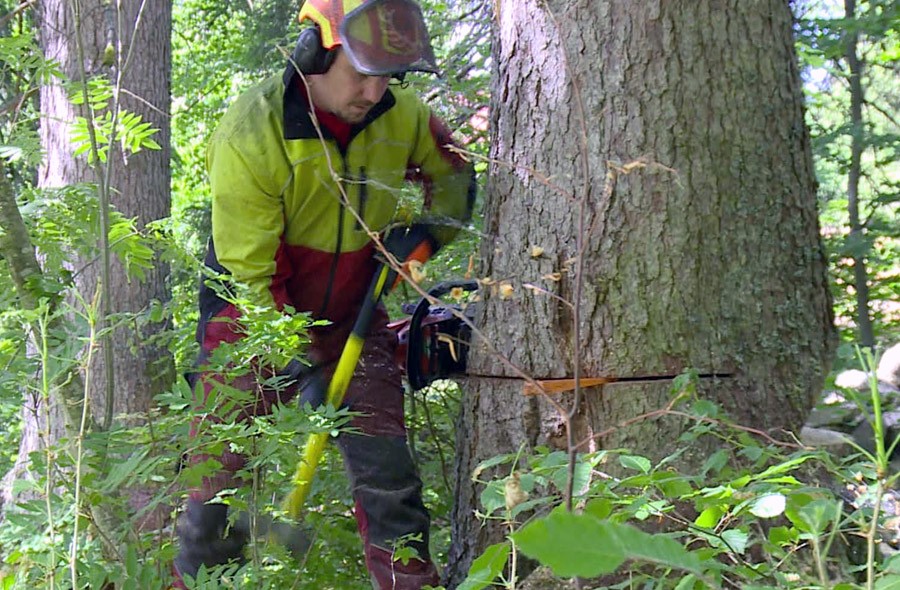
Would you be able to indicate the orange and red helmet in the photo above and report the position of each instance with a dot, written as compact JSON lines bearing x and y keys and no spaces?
{"x":380,"y":37}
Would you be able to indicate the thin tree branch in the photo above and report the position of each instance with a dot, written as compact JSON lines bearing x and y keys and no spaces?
{"x":18,"y":250}
{"x":15,"y":12}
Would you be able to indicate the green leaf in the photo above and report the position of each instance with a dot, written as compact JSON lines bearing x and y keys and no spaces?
{"x":752,"y":452}
{"x":889,"y":582}
{"x":736,"y":540}
{"x":716,"y":462}
{"x":709,"y":518}
{"x":493,"y":462}
{"x":784,"y":479}
{"x":687,"y":582}
{"x":14,"y":557}
{"x":768,"y":506}
{"x":593,"y":547}
{"x":404,"y":554}
{"x":784,"y":467}
{"x":486,"y":568}
{"x":494,"y":496}
{"x":25,"y":485}
{"x":659,"y":549}
{"x":674,"y":486}
{"x":782,"y":535}
{"x":590,"y":548}
{"x":599,"y":508}
{"x":635,"y":462}
{"x":816,"y":516}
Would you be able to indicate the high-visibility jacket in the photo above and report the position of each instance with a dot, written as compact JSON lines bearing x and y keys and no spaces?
{"x":280,"y":223}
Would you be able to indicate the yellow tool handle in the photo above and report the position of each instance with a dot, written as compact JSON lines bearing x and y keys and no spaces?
{"x":337,"y":388}
{"x":315,"y":444}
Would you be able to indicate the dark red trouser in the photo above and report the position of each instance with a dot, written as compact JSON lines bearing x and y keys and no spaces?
{"x":386,"y":486}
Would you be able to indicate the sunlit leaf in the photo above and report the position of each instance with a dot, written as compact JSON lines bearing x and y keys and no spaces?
{"x":768,"y":506}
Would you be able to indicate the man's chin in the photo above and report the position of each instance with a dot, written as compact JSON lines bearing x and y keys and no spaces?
{"x":354,"y":115}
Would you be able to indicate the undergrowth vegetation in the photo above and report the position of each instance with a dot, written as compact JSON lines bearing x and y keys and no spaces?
{"x":756,"y":513}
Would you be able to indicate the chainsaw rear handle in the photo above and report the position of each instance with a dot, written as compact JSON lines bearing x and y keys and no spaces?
{"x":417,"y":379}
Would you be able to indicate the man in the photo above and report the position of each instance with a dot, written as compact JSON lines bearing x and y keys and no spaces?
{"x":294,"y":235}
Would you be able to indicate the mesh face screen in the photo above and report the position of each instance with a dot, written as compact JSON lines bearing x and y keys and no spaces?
{"x":388,"y":37}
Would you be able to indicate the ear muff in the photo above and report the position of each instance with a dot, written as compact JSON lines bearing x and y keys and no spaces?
{"x":309,"y":57}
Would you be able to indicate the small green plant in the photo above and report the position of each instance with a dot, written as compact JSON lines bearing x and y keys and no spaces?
{"x":754,"y":514}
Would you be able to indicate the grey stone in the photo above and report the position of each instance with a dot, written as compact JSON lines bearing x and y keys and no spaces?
{"x":853,"y":379}
{"x":889,"y":366}
{"x":823,"y":437}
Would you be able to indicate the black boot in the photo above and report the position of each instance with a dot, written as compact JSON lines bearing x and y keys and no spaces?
{"x":206,"y":539}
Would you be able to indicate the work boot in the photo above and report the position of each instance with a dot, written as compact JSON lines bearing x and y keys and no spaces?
{"x":206,"y":539}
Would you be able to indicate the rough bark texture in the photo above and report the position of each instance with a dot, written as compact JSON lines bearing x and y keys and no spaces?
{"x":705,"y":255}
{"x":140,"y":182}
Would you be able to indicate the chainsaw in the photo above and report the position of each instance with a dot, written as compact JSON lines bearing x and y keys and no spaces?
{"x":433,"y":340}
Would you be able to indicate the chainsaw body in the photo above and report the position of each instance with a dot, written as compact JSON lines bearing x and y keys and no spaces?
{"x":433,"y":341}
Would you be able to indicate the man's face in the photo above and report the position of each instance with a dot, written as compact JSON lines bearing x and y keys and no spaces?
{"x":345,"y":92}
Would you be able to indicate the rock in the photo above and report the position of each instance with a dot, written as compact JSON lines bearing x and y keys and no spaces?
{"x":853,"y":379}
{"x":823,"y":437}
{"x":865,"y":436}
{"x":834,"y":412}
{"x":857,"y":380}
{"x":889,"y":366}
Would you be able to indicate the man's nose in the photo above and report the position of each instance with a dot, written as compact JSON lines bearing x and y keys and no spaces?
{"x":374,"y":88}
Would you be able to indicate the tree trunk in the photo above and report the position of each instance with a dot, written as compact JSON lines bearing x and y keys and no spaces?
{"x":857,"y":236}
{"x":657,"y":153}
{"x":139,"y":182}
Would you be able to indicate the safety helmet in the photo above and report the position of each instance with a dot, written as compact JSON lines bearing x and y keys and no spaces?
{"x":380,"y":37}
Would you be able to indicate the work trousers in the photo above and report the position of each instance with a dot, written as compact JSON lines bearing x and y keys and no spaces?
{"x":386,"y":487}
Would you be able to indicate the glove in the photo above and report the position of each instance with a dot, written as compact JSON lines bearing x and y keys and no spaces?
{"x":311,"y":385}
{"x":411,"y":243}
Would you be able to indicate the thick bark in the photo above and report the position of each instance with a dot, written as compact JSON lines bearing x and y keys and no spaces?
{"x":139,"y":182}
{"x":673,"y":134}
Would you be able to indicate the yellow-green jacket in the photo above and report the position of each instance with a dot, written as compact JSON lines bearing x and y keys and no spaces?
{"x":278,"y":221}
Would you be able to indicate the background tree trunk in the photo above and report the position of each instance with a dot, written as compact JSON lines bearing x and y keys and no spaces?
{"x":705,"y":254}
{"x":140,"y":182}
{"x":854,"y":174}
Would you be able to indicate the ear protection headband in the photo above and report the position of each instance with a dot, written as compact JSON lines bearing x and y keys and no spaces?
{"x":309,"y":57}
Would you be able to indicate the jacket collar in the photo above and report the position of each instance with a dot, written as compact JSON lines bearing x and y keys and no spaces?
{"x":297,"y":121}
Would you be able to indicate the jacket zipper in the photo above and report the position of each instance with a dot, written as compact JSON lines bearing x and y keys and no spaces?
{"x":337,"y":247}
{"x":363,"y":183}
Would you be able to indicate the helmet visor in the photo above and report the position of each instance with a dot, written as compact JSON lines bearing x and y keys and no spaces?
{"x":387,"y":37}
